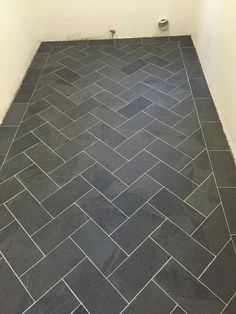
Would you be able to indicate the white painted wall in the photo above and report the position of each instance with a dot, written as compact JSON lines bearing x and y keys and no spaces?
{"x":74,"y":19}
{"x":214,"y":35}
{"x":19,"y":40}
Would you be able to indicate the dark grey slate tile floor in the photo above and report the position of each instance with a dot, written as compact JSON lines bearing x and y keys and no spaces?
{"x":117,"y":185}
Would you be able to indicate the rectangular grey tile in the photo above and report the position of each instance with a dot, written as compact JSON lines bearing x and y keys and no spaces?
{"x":48,"y":271}
{"x":64,"y":87}
{"x":71,"y":168}
{"x":14,"y":114}
{"x":104,"y":181}
{"x":182,"y":247}
{"x":24,"y":93}
{"x":22,"y":144}
{"x":138,"y":269}
{"x":194,"y":69}
{"x":67,"y":74}
{"x":20,"y":299}
{"x":156,"y":60}
{"x":66,"y":195}
{"x":137,"y":166}
{"x":107,"y":298}
{"x":76,"y":145}
{"x":110,"y":100}
{"x":188,"y":125}
{"x":106,"y":156}
{"x":87,"y":80}
{"x":48,"y":237}
{"x":30,"y":214}
{"x":59,"y":298}
{"x":168,"y":154}
{"x":90,"y":68}
{"x":134,"y":78}
{"x":35,"y":108}
{"x":159,"y":84}
{"x":103,"y":212}
{"x":206,"y":109}
{"x":134,"y":107}
{"x":45,"y":158}
{"x":165,"y":132}
{"x":113,"y":62}
{"x":9,"y":188}
{"x":151,"y":300}
{"x":109,"y":116}
{"x":83,"y":108}
{"x":224,"y":168}
{"x":18,"y":248}
{"x":214,"y":136}
{"x":182,"y":286}
{"x":134,"y":92}
{"x":160,"y":98}
{"x":199,"y":88}
{"x":6,"y":136}
{"x":79,"y":126}
{"x":6,"y":217}
{"x":157,"y":71}
{"x":178,"y":78}
{"x":228,"y":197}
{"x":172,"y":180}
{"x":136,"y":195}
{"x":55,"y":117}
{"x":189,"y":54}
{"x":184,"y":107}
{"x":177,"y":210}
{"x":193,"y":145}
{"x":103,"y":252}
{"x":107,"y":134}
{"x":219,"y":278}
{"x":166,"y":116}
{"x":83,"y":95}
{"x":110,"y":72}
{"x":205,"y":198}
{"x":38,"y":183}
{"x":134,"y":66}
{"x":13,"y":166}
{"x":51,"y":136}
{"x":198,"y":169}
{"x":137,"y":228}
{"x":137,"y":122}
{"x":41,"y":93}
{"x":61,"y":102}
{"x":213,"y":233}
{"x":32,"y":75}
{"x":28,"y":125}
{"x":111,"y":86}
{"x":135,"y":144}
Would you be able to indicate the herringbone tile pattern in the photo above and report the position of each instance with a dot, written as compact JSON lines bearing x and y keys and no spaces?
{"x":118,"y":188}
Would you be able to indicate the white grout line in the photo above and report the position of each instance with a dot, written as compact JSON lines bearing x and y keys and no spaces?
{"x":216,"y":256}
{"x":189,"y":272}
{"x":187,"y":234}
{"x":101,"y":272}
{"x":63,"y":280}
{"x":217,"y":187}
{"x":231,"y":299}
{"x":22,"y":227}
{"x":151,"y":280}
{"x":18,"y":278}
{"x":28,"y":103}
{"x":181,"y":175}
{"x":207,"y":217}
